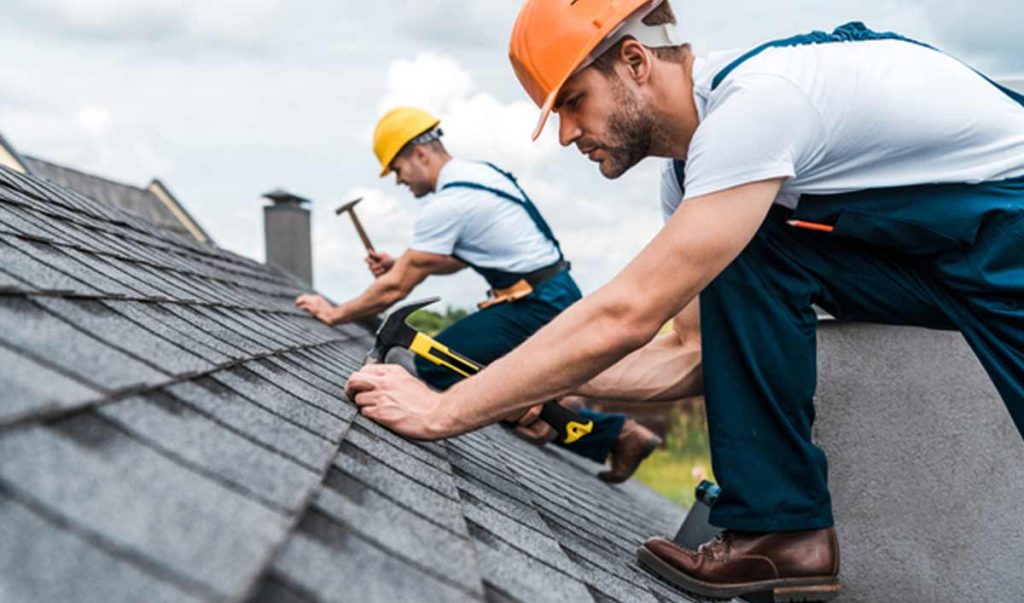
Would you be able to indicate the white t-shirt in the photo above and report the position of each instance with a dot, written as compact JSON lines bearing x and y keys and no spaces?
{"x":848,"y":116}
{"x":479,"y":226}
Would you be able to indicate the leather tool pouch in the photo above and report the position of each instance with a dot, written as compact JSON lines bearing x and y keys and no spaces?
{"x":517,"y":291}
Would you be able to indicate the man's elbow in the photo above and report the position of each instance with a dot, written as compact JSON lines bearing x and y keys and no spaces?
{"x":627,"y":327}
{"x":395,"y":292}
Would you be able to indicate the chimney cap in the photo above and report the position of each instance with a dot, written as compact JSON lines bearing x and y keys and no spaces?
{"x":283,"y":197}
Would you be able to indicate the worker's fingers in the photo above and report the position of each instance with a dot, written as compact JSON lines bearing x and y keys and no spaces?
{"x":370,"y":377}
{"x":361,"y":381}
{"x":531,"y":415}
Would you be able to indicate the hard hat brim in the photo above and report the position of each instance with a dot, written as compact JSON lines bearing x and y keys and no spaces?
{"x":545,"y":112}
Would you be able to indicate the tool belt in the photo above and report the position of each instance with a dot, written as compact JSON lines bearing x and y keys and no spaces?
{"x":524,"y":286}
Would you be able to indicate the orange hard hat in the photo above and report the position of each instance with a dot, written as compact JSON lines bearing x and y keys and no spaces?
{"x":552,"y":39}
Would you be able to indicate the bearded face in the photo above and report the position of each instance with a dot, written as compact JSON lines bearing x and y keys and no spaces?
{"x":607,"y":121}
{"x":630,"y":129}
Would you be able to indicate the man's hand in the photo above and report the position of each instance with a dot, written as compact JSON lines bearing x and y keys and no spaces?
{"x":389,"y":395}
{"x":319,"y":307}
{"x":379,"y":262}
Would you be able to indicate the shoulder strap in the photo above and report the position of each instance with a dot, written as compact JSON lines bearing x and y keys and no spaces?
{"x":525,"y":202}
{"x":854,"y":31}
{"x":679,"y":169}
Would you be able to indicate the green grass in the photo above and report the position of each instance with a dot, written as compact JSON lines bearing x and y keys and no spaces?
{"x":675,"y":470}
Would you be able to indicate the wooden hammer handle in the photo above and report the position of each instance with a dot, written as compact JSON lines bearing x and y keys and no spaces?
{"x":359,"y":229}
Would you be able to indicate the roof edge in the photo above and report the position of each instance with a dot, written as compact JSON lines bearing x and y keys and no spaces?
{"x":161,"y":192}
{"x":10,"y":157}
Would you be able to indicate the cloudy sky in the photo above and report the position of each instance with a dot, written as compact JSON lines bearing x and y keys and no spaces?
{"x":227,"y":99}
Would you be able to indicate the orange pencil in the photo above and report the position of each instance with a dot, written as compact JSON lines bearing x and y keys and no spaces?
{"x":810,"y":225}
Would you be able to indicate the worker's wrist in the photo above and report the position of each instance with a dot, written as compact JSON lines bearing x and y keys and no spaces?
{"x":445,"y":420}
{"x":337,"y":315}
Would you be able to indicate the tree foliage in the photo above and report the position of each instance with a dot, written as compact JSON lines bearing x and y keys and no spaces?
{"x":431,"y":323}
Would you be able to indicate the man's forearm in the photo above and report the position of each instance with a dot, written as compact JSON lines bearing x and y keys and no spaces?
{"x":665,"y":369}
{"x":380,"y":296}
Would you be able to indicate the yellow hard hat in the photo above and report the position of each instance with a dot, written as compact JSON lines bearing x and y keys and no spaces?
{"x":396,"y":129}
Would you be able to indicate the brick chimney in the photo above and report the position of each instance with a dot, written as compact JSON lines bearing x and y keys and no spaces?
{"x":286,"y":232}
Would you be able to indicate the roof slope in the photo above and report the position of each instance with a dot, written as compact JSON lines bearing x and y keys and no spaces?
{"x":171,"y":428}
{"x":142,"y":202}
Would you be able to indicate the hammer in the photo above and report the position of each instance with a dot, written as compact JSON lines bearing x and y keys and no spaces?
{"x":350,"y":208}
{"x":395,"y":332}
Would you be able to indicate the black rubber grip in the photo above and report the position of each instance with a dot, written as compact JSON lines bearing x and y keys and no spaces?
{"x":559,"y":417}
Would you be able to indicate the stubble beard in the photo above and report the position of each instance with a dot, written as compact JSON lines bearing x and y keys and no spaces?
{"x":630,"y":132}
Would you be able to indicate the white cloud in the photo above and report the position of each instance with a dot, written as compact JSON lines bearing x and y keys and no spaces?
{"x":477,"y":124}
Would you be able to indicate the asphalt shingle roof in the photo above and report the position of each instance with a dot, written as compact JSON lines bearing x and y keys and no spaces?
{"x":140,"y":202}
{"x":173,"y":429}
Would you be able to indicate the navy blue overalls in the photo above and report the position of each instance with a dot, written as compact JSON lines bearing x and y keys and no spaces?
{"x":489,"y":334}
{"x":944,"y":256}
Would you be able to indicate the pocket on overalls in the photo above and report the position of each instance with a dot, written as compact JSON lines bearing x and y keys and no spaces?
{"x":887,"y":232}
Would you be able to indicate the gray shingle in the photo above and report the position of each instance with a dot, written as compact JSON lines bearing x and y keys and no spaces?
{"x":336,"y":404}
{"x":521,"y":575}
{"x":436,"y":478}
{"x":116,"y":282}
{"x":13,"y":221}
{"x":227,"y":406}
{"x":428,"y":502}
{"x":11,"y":284}
{"x":105,"y":324}
{"x":474,"y":492}
{"x":43,"y":561}
{"x":432,"y":453}
{"x":131,"y":275}
{"x":401,"y":531}
{"x":41,"y":276}
{"x":254,"y":387}
{"x":103,"y":482}
{"x":54,"y":257}
{"x":540,"y":545}
{"x":171,"y":426}
{"x":28,"y":326}
{"x":334,"y":565}
{"x":199,"y":317}
{"x":171,"y":328}
{"x":28,"y":387}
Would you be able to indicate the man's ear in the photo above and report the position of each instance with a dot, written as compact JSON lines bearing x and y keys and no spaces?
{"x":420,"y":153}
{"x":637,"y":59}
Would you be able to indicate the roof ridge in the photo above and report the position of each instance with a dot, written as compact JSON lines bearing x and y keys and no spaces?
{"x":84,"y":173}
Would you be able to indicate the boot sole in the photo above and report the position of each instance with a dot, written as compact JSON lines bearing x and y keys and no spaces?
{"x":786,"y":590}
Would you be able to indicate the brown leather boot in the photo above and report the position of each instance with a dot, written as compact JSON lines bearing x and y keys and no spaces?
{"x":776,"y":566}
{"x":635,"y":443}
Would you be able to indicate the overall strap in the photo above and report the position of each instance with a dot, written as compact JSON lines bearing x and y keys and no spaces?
{"x":855,"y":31}
{"x":679,"y":169}
{"x":525,"y":202}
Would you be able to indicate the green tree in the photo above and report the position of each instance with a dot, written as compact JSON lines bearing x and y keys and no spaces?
{"x":431,"y":323}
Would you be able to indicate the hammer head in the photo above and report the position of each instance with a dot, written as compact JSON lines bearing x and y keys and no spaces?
{"x":394,"y":332}
{"x":348,"y":206}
